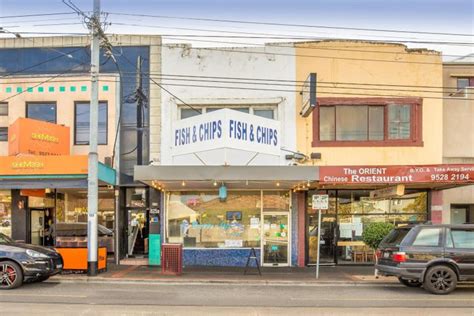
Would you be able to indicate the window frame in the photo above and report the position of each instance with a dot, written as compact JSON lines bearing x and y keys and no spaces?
{"x":416,"y":122}
{"x":6,"y":128}
{"x":43,"y":102}
{"x":250,"y":107}
{"x":6,"y":106}
{"x":106,"y":123}
{"x":469,"y":85}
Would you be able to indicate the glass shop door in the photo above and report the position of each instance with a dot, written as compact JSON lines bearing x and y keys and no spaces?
{"x":275,"y":240}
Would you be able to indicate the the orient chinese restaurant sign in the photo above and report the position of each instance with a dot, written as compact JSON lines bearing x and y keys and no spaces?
{"x":226,"y":128}
{"x":42,"y":165}
{"x":445,"y":173}
{"x":33,"y":137}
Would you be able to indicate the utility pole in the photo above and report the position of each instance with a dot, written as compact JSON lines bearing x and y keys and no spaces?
{"x":92,"y":183}
{"x":139,"y":95}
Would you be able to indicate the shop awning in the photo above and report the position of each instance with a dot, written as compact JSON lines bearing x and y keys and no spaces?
{"x":38,"y":172}
{"x":234,"y":177}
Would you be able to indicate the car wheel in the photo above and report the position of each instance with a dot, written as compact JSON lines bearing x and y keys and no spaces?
{"x":440,"y":280}
{"x":409,"y":282}
{"x":11,"y":275}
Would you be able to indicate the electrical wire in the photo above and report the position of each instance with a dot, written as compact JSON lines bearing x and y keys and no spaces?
{"x":161,"y":87}
{"x":294,"y":81}
{"x":292,"y":25}
{"x":283,"y":36}
{"x":34,"y":15}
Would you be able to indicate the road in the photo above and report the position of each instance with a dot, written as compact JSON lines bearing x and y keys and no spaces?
{"x":120,"y":298}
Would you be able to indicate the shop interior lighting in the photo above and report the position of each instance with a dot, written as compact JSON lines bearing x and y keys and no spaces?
{"x":278,"y":184}
{"x":308,"y":184}
{"x":183,"y":184}
{"x":214,"y":183}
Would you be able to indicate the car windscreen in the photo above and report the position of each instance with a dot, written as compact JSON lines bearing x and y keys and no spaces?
{"x":395,"y":237}
{"x":5,"y":239}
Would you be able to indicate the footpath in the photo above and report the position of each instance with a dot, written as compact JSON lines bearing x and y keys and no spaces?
{"x":342,"y":275}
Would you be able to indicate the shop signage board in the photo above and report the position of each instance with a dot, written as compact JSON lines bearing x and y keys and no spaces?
{"x":226,"y":128}
{"x":33,"y":137}
{"x":43,"y":165}
{"x":391,"y":191}
{"x":320,"y":201}
{"x":443,"y":173}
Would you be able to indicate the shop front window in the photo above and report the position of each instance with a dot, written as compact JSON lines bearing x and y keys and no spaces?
{"x":5,"y":212}
{"x":356,"y":210}
{"x":203,"y":220}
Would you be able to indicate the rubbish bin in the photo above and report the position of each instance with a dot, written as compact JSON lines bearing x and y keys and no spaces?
{"x":172,"y":259}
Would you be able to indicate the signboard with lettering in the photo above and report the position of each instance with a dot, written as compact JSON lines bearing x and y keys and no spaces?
{"x":320,"y":202}
{"x":445,"y":173}
{"x":43,"y":165}
{"x":38,"y":138}
{"x":226,"y":128}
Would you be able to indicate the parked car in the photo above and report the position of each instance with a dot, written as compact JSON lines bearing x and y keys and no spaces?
{"x":436,"y":257}
{"x":23,"y":262}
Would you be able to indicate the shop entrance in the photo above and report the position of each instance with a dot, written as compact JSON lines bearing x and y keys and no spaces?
{"x":41,"y":221}
{"x":138,"y":223}
{"x":327,"y":241}
{"x":275,"y":239}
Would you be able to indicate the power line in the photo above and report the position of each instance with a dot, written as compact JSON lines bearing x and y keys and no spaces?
{"x":284,"y":36}
{"x":34,"y":15}
{"x":298,"y":81}
{"x":326,"y":94}
{"x":293,"y":25}
{"x":330,"y":86}
{"x":161,"y":87}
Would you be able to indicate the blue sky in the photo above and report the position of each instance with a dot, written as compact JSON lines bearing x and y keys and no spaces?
{"x":453,"y":16}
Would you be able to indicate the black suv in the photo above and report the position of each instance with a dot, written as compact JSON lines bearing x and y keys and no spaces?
{"x":23,"y":262}
{"x":433,"y":256}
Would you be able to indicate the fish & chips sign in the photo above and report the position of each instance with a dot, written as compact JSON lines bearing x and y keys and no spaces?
{"x":226,"y":129}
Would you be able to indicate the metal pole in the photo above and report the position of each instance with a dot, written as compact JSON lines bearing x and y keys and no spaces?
{"x":117,"y":230}
{"x":139,"y":112}
{"x":319,"y":242}
{"x":92,"y":185}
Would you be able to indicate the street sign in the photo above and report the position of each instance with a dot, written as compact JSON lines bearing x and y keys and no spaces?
{"x":320,"y":202}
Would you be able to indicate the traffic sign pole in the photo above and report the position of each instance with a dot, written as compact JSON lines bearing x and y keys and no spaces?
{"x":319,"y":244}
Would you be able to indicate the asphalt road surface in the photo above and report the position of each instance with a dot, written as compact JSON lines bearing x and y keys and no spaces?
{"x":120,"y":298}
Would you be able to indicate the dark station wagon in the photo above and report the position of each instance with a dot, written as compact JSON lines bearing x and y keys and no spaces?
{"x":436,"y":257}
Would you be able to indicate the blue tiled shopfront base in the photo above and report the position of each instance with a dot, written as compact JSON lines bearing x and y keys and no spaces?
{"x":218,"y":257}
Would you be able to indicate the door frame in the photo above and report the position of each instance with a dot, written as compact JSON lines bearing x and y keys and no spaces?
{"x":262,"y":248}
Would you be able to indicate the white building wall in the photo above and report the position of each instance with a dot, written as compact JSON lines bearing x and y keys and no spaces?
{"x":252,"y":62}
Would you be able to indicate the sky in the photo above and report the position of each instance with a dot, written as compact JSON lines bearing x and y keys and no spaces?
{"x":447,"y":16}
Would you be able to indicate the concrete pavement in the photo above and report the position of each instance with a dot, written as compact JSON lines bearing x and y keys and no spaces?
{"x":297,"y":276}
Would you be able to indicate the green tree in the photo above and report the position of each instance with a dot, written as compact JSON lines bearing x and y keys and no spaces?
{"x":375,"y":232}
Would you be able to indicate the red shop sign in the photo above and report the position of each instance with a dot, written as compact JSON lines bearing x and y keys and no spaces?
{"x":448,"y":173}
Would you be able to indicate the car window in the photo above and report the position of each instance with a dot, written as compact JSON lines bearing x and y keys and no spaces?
{"x":428,"y":237}
{"x":449,"y":240}
{"x":395,"y":237}
{"x":463,"y":238}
